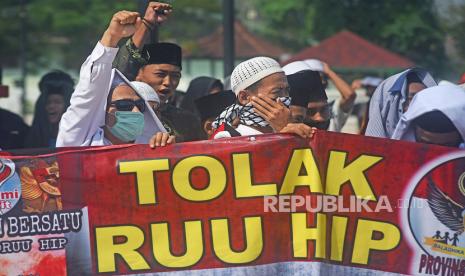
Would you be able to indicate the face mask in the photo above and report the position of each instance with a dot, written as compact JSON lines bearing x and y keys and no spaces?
{"x":129,"y":125}
{"x":319,"y":125}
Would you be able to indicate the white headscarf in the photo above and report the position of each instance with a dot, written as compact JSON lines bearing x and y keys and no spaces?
{"x":145,"y":91}
{"x":295,"y":67}
{"x":447,"y":98}
{"x":315,"y":65}
{"x":152,"y":124}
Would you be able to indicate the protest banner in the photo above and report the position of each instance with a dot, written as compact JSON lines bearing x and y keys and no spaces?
{"x":268,"y":204}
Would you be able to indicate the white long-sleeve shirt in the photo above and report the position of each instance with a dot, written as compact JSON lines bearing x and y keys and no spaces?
{"x":82,"y":124}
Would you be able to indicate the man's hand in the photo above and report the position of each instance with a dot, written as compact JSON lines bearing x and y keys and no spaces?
{"x":155,"y":18}
{"x":274,"y":112}
{"x":161,"y":139}
{"x":347,"y":93}
{"x":356,"y":84}
{"x":326,"y":69}
{"x":300,"y":129}
{"x":122,"y":24}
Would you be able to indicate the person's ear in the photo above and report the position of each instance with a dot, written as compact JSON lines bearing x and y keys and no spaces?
{"x":207,"y":127}
{"x":243,"y":97}
{"x":139,"y":74}
{"x":110,"y":119}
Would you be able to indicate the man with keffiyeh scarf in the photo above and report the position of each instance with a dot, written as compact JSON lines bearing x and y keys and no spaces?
{"x":262,"y":102}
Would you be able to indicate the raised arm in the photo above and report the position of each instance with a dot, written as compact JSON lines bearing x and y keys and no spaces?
{"x":347,"y":93}
{"x":155,"y":14}
{"x":129,"y":57}
{"x":86,"y":113}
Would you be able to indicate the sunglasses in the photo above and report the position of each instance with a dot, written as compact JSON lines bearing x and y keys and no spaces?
{"x":128,"y":105}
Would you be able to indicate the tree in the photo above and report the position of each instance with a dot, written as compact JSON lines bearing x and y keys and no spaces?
{"x":58,"y":32}
{"x":62,"y":33}
{"x":409,"y":28}
{"x":455,"y":24}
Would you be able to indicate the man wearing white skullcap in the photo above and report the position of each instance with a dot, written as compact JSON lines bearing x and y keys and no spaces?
{"x":262,"y":102}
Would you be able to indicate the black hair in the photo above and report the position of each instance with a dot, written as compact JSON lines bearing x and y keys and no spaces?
{"x":42,"y":132}
{"x":198,"y":87}
{"x":55,"y":82}
{"x":412,"y":77}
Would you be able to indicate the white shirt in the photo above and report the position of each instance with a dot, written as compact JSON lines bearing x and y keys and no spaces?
{"x":242,"y":129}
{"x":82,"y":123}
{"x":86,"y":114}
{"x":339,"y":116}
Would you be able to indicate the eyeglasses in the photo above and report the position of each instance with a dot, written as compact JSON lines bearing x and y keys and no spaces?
{"x":128,"y":105}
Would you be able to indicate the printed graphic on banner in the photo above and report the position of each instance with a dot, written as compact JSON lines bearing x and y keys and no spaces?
{"x":33,"y":224}
{"x":237,"y":207}
{"x":41,"y":191}
{"x":10,"y":186}
{"x":437,"y":218}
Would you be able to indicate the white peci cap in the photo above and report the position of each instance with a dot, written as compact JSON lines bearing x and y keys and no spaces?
{"x":250,"y":71}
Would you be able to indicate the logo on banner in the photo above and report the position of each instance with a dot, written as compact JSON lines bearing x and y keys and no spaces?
{"x":451,"y":214}
{"x":437,"y":216}
{"x":10,"y":186}
{"x":41,"y":186}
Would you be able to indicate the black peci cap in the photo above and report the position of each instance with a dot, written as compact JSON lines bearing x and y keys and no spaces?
{"x":163,"y":53}
{"x":306,"y":87}
{"x":212,"y":105}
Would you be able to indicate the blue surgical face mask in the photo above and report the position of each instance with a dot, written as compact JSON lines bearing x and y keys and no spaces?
{"x":129,"y":125}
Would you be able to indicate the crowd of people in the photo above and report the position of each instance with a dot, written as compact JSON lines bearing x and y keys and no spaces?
{"x":128,"y":94}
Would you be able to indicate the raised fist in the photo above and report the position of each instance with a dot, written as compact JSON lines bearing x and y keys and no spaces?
{"x":124,"y":24}
{"x":157,"y":12}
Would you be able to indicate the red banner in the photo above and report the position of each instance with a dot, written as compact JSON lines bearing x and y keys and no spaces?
{"x":268,"y":204}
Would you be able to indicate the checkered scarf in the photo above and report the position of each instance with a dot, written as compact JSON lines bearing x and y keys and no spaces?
{"x":245,"y":113}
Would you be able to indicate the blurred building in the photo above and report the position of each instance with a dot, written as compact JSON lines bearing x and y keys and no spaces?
{"x":206,"y":57}
{"x":349,"y":53}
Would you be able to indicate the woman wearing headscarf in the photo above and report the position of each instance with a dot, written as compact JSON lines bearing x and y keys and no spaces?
{"x":435,"y":116}
{"x":198,"y":88}
{"x":56,"y":88}
{"x":391,"y":100}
